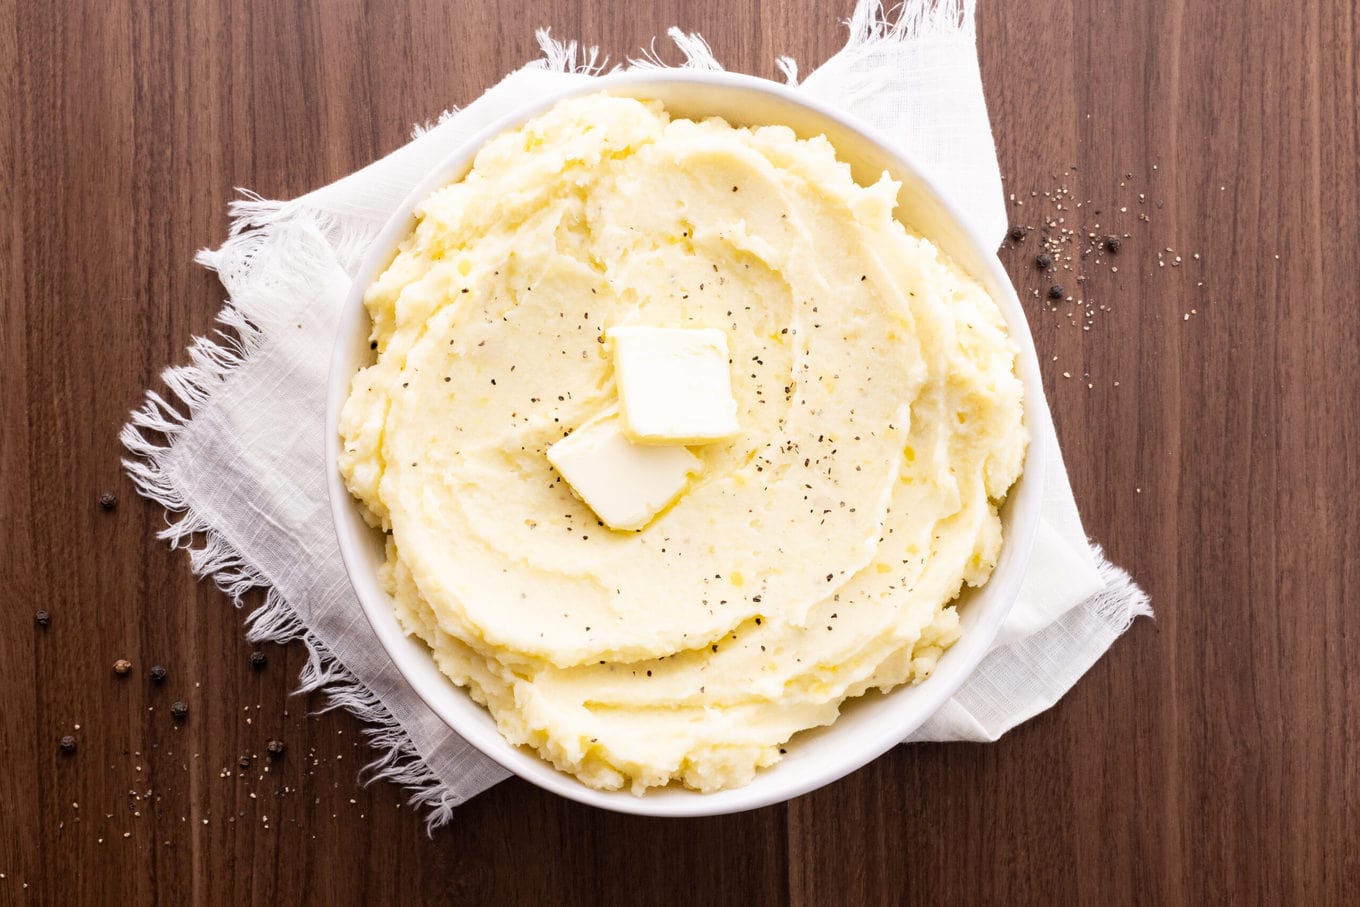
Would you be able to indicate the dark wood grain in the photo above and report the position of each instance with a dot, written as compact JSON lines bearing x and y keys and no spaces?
{"x":1211,"y":756}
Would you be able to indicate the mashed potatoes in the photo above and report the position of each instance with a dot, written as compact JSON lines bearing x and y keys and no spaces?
{"x":815,"y":556}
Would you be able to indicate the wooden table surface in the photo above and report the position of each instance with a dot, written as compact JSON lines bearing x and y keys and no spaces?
{"x":1210,"y":422}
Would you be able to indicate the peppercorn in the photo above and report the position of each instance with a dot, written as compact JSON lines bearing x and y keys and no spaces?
{"x":1055,"y":292}
{"x":258,"y":659}
{"x":121,"y":667}
{"x":275,"y":749}
{"x":1112,"y":244}
{"x":244,"y":762}
{"x":1017,"y":234}
{"x":42,"y":619}
{"x":108,"y":500}
{"x":1043,"y":261}
{"x":179,"y":710}
{"x":67,"y":744}
{"x":157,"y":674}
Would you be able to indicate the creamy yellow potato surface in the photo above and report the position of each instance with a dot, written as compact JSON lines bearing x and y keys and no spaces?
{"x":816,"y":555}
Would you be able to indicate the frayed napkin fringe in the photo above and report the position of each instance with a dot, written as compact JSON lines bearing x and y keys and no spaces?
{"x":871,"y":23}
{"x":1122,"y":600}
{"x":877,"y":34}
{"x":212,"y":360}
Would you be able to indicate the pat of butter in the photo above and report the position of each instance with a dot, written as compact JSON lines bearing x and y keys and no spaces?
{"x":626,"y":484}
{"x":675,"y":384}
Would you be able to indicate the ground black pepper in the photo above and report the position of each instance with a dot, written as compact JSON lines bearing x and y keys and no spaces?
{"x":1043,"y":261}
{"x":1055,"y":292}
{"x":258,"y":659}
{"x":1112,"y":244}
{"x":108,"y":500}
{"x":275,"y":749}
{"x":121,"y":667}
{"x":1017,"y":234}
{"x":157,"y":674}
{"x":67,"y":744}
{"x":244,"y":762}
{"x":179,"y":710}
{"x":42,"y":619}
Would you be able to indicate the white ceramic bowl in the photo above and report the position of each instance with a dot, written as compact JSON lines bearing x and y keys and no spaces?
{"x":868,"y":726}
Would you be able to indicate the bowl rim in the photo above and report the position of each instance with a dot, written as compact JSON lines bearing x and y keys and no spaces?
{"x":377,"y":607}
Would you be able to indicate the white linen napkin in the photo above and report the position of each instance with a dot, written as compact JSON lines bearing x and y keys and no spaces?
{"x":236,"y":450}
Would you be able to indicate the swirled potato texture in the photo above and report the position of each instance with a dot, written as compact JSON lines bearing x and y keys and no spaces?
{"x":817,"y":554}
